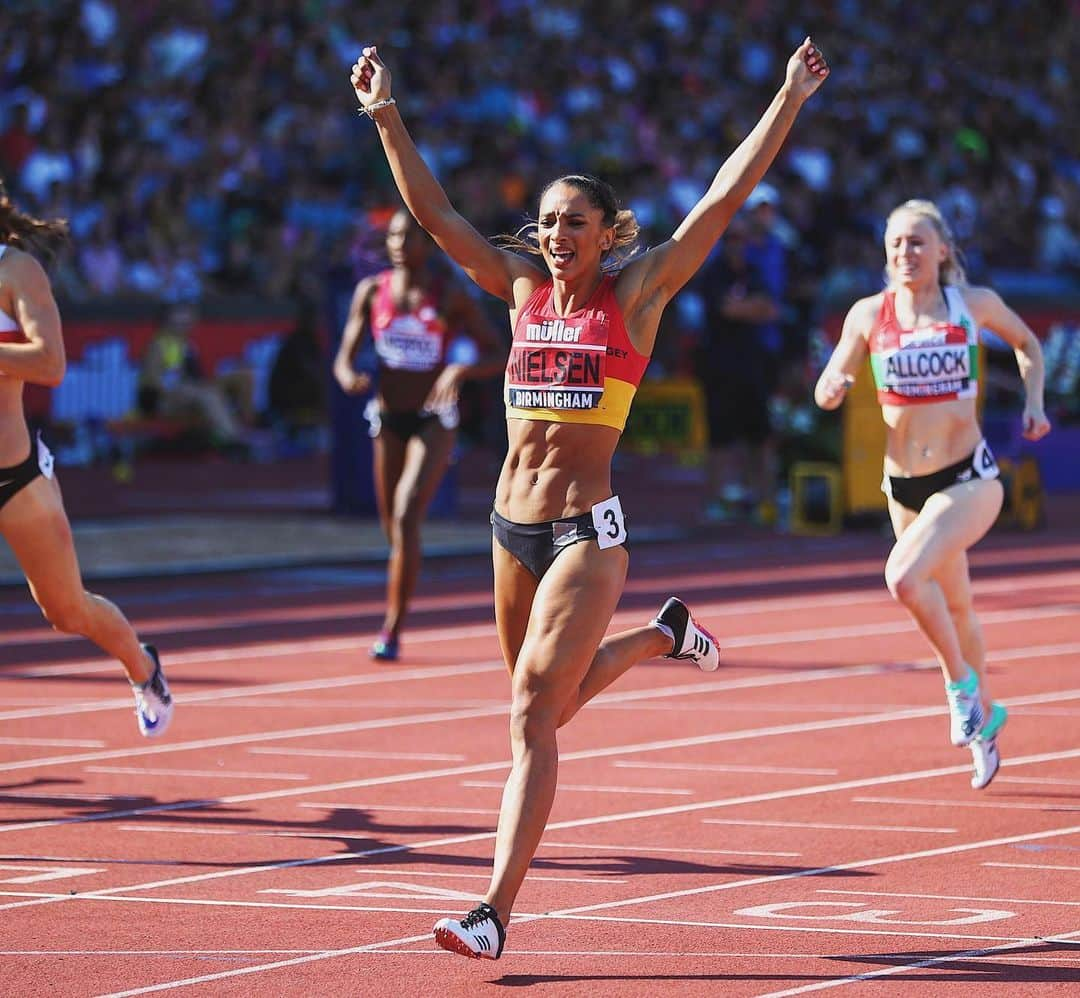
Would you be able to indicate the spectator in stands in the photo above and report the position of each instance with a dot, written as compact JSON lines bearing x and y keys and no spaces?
{"x":32,"y":517}
{"x":412,"y":311}
{"x":922,"y":335}
{"x":737,"y":368}
{"x":167,"y":91}
{"x":174,"y":386}
{"x":584,"y":329}
{"x":296,"y":393}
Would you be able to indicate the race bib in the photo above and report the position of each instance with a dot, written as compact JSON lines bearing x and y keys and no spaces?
{"x":610,"y":524}
{"x":984,"y":463}
{"x":929,"y":370}
{"x":555,"y":364}
{"x":44,"y":457}
{"x":408,"y":344}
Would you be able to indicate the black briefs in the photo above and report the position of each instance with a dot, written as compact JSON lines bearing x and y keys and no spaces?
{"x":536,"y":545}
{"x":912,"y":493}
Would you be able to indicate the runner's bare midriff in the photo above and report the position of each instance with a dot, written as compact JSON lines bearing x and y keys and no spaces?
{"x":14,"y":436}
{"x":926,"y":438}
{"x":553,"y":470}
{"x":406,"y":391}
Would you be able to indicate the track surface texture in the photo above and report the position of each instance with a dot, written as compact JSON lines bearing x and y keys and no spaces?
{"x":795,"y":822}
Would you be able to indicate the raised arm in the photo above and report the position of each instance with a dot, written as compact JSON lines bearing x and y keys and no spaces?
{"x":41,"y":358}
{"x":847,"y":356}
{"x":665,"y":269}
{"x":989,"y":311}
{"x":352,"y":337}
{"x":495,"y":270}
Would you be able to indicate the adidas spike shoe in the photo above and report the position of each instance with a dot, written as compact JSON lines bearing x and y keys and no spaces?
{"x":689,"y":640}
{"x":479,"y":935}
{"x":985,"y":756}
{"x":153,"y":701}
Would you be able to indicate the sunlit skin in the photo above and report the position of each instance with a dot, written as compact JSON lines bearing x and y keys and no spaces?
{"x":408,"y":473}
{"x":927,"y":569}
{"x":552,"y":631}
{"x":33,"y":521}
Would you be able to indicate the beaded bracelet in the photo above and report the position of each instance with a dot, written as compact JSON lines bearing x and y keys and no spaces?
{"x":377,"y":106}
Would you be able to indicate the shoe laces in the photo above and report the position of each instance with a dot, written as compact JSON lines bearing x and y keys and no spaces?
{"x":476,"y":916}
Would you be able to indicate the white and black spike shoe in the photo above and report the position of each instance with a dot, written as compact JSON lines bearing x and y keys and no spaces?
{"x":478,"y":935}
{"x":689,"y":639}
{"x":153,"y":701}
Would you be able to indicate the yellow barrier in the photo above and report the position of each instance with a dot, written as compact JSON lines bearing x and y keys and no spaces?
{"x":1023,"y":507}
{"x":817,"y":499}
{"x":668,"y":415}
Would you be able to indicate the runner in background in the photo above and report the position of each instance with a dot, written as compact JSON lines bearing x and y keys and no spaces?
{"x":32,"y":517}
{"x":921,"y":334}
{"x":412,"y":311}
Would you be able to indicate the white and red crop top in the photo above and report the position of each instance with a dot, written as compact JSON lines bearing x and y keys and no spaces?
{"x":577,"y":368}
{"x":9,"y":328}
{"x":935,"y":363}
{"x":414,"y":340}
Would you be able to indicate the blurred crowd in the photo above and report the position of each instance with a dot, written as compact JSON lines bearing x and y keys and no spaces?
{"x":213,"y":147}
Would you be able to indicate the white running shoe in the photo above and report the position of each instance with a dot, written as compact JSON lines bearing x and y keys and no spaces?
{"x":985,"y":760}
{"x":153,"y":701}
{"x":689,"y":639}
{"x":479,"y":935}
{"x":965,"y":709}
{"x":985,"y":756}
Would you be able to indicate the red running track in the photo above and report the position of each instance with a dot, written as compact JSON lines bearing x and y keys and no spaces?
{"x":795,"y":822}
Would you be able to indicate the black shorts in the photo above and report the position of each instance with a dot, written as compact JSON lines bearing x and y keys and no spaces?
{"x":406,"y":423}
{"x":912,"y":493}
{"x":537,"y":545}
{"x":14,"y":479}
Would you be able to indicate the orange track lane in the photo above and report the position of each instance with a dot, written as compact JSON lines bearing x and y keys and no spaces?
{"x":796,"y":822}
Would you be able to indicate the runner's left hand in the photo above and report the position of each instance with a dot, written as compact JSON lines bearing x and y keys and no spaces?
{"x":1036,"y":425}
{"x":806,"y":70}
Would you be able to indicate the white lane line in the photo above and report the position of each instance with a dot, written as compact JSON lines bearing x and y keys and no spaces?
{"x":728,"y":736}
{"x":995,"y":805}
{"x":903,"y":968}
{"x":637,"y":848}
{"x":422,"y":809}
{"x":869,"y":863}
{"x":337,"y":610}
{"x":604,"y":820}
{"x":345,"y":835}
{"x":709,"y":767}
{"x":1034,"y":866}
{"x":1048,"y":781}
{"x":385,"y":871}
{"x":1025,"y":614}
{"x":404,"y":941}
{"x":55,"y":742}
{"x":464,"y":714}
{"x":951,"y":897}
{"x":586,"y":788}
{"x":822,"y":824}
{"x":62,"y":795}
{"x":358,"y":754}
{"x":531,"y":917}
{"x":155,"y":952}
{"x":316,"y":647}
{"x":218,"y":773}
{"x":272,"y":689}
